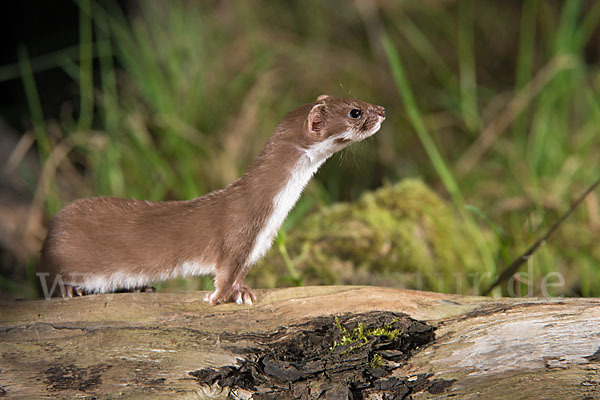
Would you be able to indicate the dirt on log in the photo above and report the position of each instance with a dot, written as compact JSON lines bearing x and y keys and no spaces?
{"x":301,"y":343}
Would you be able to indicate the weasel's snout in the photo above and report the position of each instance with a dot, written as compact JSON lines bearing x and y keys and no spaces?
{"x":380,"y":111}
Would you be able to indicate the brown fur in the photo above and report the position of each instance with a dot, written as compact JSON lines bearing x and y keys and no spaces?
{"x":101,"y":236}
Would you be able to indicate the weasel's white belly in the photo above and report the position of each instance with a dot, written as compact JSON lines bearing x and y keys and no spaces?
{"x":102,"y":283}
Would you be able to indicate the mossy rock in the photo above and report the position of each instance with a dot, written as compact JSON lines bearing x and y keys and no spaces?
{"x":402,"y":235}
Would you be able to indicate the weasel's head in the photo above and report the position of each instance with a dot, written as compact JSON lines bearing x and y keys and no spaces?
{"x":336,"y":122}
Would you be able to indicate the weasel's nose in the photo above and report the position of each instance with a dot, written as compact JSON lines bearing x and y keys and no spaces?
{"x":380,"y":111}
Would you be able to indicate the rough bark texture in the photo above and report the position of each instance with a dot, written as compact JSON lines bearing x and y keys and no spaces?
{"x":384,"y":343}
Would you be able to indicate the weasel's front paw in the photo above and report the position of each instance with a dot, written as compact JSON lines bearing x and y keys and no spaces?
{"x":244,"y":295}
{"x":241,"y":295}
{"x":213,"y":298}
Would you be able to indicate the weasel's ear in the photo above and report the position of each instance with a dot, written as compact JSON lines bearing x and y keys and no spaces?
{"x":314,"y":122}
{"x":322,"y":97}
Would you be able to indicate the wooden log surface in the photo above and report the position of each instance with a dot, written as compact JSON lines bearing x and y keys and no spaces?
{"x":152,"y":345}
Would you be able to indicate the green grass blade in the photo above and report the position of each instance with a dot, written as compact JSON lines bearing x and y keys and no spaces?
{"x":588,"y":26}
{"x":86,"y":54}
{"x":40,"y":63}
{"x":428,"y":53}
{"x":525,"y":59}
{"x":39,"y":126}
{"x":466,"y":61}
{"x":527,"y":36}
{"x":438,"y":162}
{"x":405,"y":91}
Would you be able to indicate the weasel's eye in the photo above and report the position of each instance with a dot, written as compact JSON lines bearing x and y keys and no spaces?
{"x":355,"y":113}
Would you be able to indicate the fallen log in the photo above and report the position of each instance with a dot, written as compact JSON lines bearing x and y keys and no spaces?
{"x":334,"y":342}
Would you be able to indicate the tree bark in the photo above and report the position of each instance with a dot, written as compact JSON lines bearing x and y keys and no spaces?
{"x":161,"y":345}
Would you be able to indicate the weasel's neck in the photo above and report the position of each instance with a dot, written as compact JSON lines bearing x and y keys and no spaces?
{"x":293,"y":167}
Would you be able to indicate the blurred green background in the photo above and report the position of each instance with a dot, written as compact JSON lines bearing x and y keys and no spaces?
{"x":495,"y":105}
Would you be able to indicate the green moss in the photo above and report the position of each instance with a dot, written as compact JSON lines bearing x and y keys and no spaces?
{"x":359,"y":336}
{"x":402,"y":235}
{"x":376,"y":362}
{"x":353,"y":339}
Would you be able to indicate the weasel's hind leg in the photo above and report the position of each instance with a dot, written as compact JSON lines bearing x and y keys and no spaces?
{"x":73,"y":291}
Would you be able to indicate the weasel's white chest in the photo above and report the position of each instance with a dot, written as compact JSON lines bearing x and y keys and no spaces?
{"x":282,"y":204}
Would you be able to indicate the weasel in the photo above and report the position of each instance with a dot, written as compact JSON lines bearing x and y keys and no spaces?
{"x":104,"y":244}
